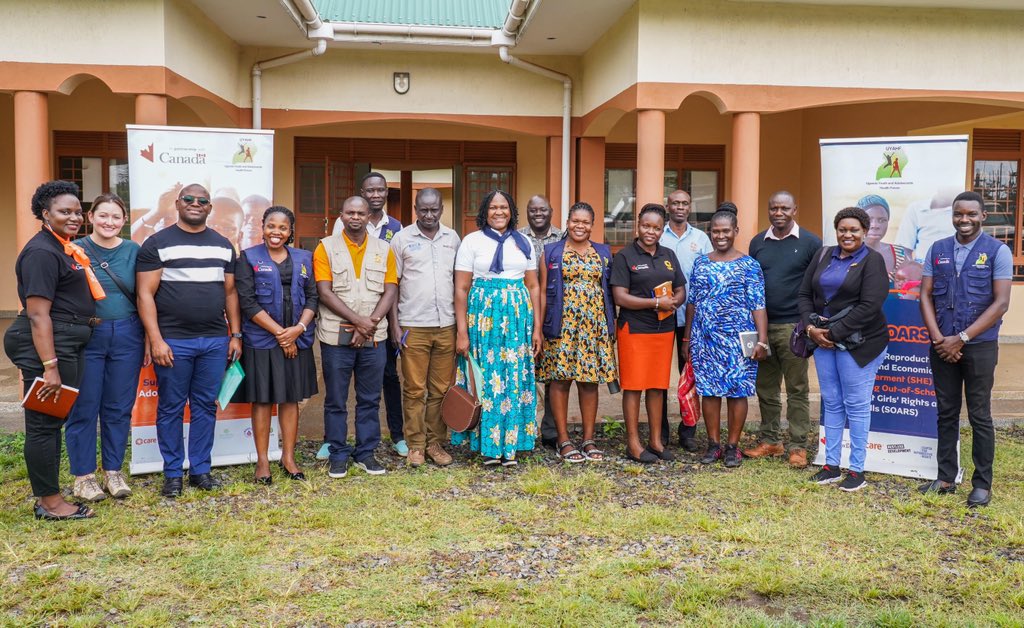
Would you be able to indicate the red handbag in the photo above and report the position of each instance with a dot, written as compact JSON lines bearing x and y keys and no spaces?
{"x":460,"y":408}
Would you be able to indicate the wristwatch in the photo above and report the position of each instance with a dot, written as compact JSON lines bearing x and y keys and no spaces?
{"x":236,"y":335}
{"x":964,"y":337}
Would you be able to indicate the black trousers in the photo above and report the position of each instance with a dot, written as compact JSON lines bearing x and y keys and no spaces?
{"x":42,"y":431}
{"x":972,"y":377}
{"x":685,"y":431}
{"x":393,"y":396}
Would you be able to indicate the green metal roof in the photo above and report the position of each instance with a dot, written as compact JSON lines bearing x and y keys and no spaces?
{"x":467,"y":13}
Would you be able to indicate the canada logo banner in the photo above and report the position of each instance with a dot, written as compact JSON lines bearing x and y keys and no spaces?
{"x":236,"y":167}
{"x":906,"y":185}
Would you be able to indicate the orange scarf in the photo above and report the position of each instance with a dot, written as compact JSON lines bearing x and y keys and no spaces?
{"x":78,"y":253}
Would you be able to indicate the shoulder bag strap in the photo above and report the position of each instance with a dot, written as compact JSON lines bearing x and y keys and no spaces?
{"x":106,"y":267}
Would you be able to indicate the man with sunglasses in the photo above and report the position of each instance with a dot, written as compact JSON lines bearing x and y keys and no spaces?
{"x":186,"y":286}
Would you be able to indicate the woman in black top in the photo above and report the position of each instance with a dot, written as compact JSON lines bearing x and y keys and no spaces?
{"x":647,"y":285}
{"x":57,"y":290}
{"x":846,"y":286}
{"x":278,"y":299}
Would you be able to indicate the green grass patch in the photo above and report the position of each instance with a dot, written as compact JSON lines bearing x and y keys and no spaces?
{"x":546,"y":543}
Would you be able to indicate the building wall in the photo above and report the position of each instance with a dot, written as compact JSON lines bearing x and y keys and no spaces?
{"x":715,"y":41}
{"x":8,"y":240}
{"x":84,"y":31}
{"x":476,"y":83}
{"x":610,"y":66}
{"x":198,"y":50}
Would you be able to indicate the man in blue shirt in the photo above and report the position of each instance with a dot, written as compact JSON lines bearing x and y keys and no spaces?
{"x":965,"y":292}
{"x":688,"y":243}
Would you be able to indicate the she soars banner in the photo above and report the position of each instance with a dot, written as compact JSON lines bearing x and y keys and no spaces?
{"x":236,"y":166}
{"x":907,"y":186}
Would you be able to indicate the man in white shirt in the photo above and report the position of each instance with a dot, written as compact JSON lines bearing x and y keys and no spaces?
{"x":688,"y":243}
{"x":425,"y":325}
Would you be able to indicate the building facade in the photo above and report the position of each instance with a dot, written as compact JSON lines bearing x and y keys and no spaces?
{"x":727,"y":98}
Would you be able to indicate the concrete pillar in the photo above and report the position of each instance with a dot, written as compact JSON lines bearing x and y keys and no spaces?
{"x":32,"y":161}
{"x":590,"y":182}
{"x":745,"y":173}
{"x":650,"y":157}
{"x":407,"y":197}
{"x":150,"y":109}
{"x":553,"y":190}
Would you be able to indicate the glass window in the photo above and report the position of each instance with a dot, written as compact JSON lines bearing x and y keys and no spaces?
{"x":997,"y":182}
{"x":703,"y":186}
{"x":620,"y":205}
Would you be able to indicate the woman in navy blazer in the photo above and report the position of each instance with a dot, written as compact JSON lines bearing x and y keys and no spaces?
{"x":579,"y":325}
{"x":278,"y":299}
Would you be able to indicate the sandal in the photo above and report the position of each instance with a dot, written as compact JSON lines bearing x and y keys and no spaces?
{"x":573,"y":455}
{"x":595,"y":454}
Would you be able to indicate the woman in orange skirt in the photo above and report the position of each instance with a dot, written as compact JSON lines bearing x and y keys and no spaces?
{"x":648,"y":286}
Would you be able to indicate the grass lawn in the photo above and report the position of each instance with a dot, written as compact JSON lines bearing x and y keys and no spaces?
{"x":542,"y":544}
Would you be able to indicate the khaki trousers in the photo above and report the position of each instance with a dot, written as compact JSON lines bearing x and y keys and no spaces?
{"x":428,"y":361}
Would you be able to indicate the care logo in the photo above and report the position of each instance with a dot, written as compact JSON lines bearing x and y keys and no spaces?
{"x":894,"y":165}
{"x":245,"y":152}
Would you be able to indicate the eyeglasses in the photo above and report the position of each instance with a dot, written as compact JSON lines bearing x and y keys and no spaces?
{"x":189,"y":199}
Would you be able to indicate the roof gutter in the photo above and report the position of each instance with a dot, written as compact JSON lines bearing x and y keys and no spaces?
{"x":257,"y":76}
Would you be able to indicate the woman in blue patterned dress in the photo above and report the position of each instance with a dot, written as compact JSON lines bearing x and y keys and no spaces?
{"x":496,"y":295}
{"x":726,"y":298}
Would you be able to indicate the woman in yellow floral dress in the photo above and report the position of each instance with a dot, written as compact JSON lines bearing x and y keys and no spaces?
{"x":578,"y":314}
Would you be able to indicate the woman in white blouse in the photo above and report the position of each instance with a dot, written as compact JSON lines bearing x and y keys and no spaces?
{"x":496,"y":296}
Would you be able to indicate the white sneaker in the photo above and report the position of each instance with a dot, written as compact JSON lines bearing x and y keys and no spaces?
{"x":116,"y":485}
{"x":87,"y":489}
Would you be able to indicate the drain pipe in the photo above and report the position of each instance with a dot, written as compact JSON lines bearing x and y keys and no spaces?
{"x":566,"y":118}
{"x":257,"y":74}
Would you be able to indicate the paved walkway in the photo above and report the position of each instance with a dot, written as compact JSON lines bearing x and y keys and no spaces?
{"x":1007,"y":404}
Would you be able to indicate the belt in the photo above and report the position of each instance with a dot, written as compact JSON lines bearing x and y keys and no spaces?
{"x":92,"y":321}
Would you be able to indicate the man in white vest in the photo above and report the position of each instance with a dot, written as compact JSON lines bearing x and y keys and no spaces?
{"x":357,"y":282}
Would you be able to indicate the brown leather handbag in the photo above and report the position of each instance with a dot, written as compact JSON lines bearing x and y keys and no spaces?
{"x":460,"y":409}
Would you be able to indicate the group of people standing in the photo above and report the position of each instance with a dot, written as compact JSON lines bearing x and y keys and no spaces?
{"x":531,"y":311}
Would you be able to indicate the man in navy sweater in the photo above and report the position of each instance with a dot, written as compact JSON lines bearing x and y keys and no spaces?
{"x":784,"y":252}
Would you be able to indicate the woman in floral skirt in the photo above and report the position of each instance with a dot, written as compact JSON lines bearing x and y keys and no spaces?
{"x":496,"y":296}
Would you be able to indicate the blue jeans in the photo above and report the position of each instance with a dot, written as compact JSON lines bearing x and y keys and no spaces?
{"x":340,"y":364}
{"x":109,"y":384}
{"x":846,"y":396}
{"x":199,"y":365}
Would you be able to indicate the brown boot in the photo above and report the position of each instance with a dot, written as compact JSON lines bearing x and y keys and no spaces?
{"x":798,"y":458}
{"x":415,"y":458}
{"x":764,"y":450}
{"x":440,"y":457}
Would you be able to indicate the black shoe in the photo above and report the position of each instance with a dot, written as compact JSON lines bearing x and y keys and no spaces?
{"x":713,"y":454}
{"x":172,"y":488}
{"x":300,"y":476}
{"x":690,"y":445}
{"x":937,"y":486}
{"x":265,"y":480}
{"x":979,"y":497}
{"x":339,"y":469}
{"x":664,"y":454}
{"x":371,"y":466}
{"x":204,"y":481}
{"x":733,"y":456}
{"x":83,"y":512}
{"x":852,"y":482}
{"x":826,"y":475}
{"x":491,"y":462}
{"x":550,"y":443}
{"x":687,"y":440}
{"x":645,"y":457}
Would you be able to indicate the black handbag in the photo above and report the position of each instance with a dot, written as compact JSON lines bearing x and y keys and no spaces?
{"x":799,"y":343}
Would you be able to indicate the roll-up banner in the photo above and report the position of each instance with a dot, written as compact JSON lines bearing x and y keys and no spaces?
{"x":907,"y":186}
{"x":237,"y":167}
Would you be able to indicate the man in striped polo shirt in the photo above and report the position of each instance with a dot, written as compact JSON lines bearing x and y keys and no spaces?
{"x":186,"y":285}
